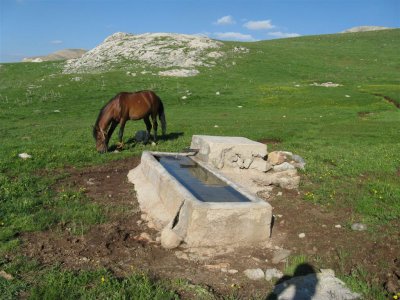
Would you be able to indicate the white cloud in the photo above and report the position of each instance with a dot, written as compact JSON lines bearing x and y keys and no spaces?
{"x":236,"y":36}
{"x":56,"y":42}
{"x":279,"y":34}
{"x":259,"y":25}
{"x":226,"y":20}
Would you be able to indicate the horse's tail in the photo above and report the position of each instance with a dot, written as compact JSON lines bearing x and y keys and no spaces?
{"x":161,"y":116}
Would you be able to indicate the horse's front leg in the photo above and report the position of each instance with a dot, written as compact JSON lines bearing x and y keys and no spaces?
{"x":111,"y":131}
{"x":121,"y":133}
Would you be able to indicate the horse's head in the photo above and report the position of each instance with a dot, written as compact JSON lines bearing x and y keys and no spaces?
{"x":100,"y":137}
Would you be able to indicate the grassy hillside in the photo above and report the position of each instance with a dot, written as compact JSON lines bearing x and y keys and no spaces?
{"x":348,"y":135}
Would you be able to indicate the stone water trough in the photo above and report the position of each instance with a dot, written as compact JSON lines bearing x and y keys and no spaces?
{"x":190,"y":201}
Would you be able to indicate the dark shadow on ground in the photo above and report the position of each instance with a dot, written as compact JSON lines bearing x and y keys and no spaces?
{"x":303,"y":291}
{"x":131,"y":142}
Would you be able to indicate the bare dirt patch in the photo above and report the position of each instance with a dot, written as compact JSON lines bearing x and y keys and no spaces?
{"x":124,"y":243}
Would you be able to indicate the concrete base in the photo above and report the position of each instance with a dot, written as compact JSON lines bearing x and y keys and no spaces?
{"x":181,"y":216}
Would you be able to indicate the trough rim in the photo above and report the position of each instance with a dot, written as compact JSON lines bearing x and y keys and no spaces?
{"x":254,"y":200}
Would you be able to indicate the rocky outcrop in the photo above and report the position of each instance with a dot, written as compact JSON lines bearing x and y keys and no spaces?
{"x":161,"y":50}
{"x":365,"y":28}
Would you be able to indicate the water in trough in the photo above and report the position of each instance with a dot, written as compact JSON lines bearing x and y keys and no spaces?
{"x":204,"y":185}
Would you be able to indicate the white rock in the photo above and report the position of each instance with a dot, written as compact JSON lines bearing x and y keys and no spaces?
{"x":254,"y":274}
{"x":179,"y":73}
{"x":260,"y":165}
{"x":283,"y":167}
{"x":24,"y":155}
{"x":302,"y":235}
{"x":217,"y":93}
{"x":338,"y":226}
{"x":359,"y":227}
{"x":272,"y":273}
{"x":328,"y":272}
{"x":169,"y":239}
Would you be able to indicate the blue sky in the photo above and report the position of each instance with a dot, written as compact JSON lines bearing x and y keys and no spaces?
{"x":39,"y":27}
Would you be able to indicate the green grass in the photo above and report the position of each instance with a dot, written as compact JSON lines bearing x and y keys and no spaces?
{"x":348,"y":135}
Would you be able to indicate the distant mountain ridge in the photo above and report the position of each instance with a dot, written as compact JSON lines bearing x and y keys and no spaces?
{"x":58,"y":55}
{"x":365,"y":28}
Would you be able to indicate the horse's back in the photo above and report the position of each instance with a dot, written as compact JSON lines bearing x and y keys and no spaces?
{"x":139,"y":104}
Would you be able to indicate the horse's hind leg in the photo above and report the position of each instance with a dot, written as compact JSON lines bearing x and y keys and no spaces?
{"x":155,"y":126}
{"x":148,"y":127}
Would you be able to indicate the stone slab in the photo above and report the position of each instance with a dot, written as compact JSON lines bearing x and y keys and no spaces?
{"x":220,"y":151}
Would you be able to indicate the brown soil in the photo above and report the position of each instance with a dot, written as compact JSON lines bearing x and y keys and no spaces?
{"x":121,"y":245}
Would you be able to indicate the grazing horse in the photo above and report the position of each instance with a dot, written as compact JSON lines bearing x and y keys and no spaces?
{"x":128,"y":106}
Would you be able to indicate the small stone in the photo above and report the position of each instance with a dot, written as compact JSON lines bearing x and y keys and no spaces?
{"x":246,"y":163}
{"x":254,"y":274}
{"x":232,"y":271}
{"x":5,"y":275}
{"x":141,"y":136}
{"x":358,"y":227}
{"x":24,"y":155}
{"x":260,"y":165}
{"x":90,"y":181}
{"x":302,"y":235}
{"x":169,"y":239}
{"x":276,"y":157}
{"x":329,"y":272}
{"x":279,"y":194}
{"x":181,"y":255}
{"x":272,"y":273}
{"x":144,"y":236}
{"x":283,"y":167}
{"x":184,"y":97}
{"x":338,"y":226}
{"x":139,"y":222}
{"x":217,"y":93}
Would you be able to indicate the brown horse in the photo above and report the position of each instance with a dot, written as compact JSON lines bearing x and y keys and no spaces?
{"x":124,"y":107}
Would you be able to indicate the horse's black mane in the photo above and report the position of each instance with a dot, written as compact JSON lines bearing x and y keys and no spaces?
{"x":95,"y":127}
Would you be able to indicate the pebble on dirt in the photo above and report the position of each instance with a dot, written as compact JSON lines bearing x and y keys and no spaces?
{"x":254,"y":274}
{"x":359,"y":227}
